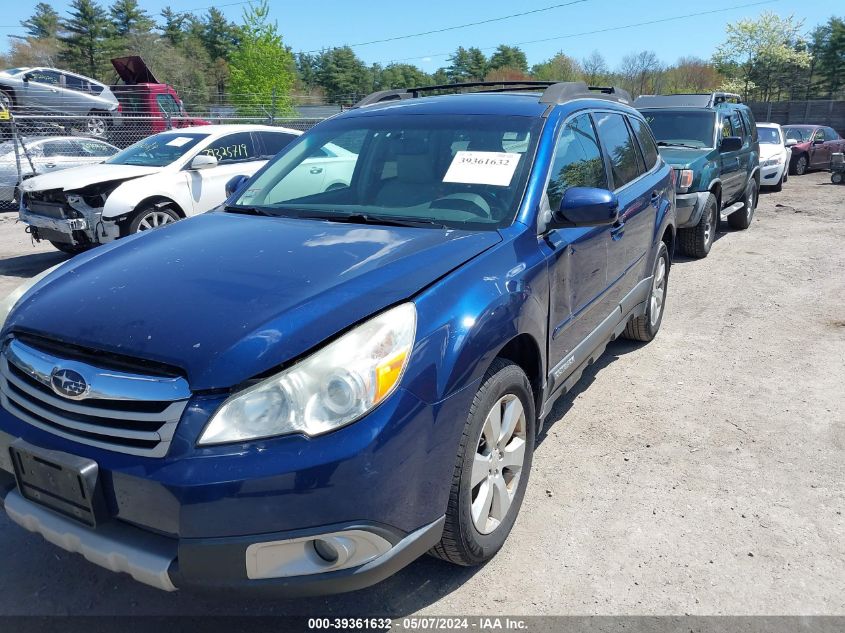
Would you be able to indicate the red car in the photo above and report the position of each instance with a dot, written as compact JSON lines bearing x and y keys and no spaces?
{"x":149,"y":106}
{"x":812,"y":146}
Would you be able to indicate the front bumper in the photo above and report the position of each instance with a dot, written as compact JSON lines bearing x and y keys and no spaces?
{"x":188,"y":519}
{"x":64,"y":226}
{"x":690,"y":206}
{"x":770,"y":176}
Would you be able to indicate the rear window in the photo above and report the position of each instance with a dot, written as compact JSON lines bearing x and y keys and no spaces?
{"x":682,"y":128}
{"x":274,"y":142}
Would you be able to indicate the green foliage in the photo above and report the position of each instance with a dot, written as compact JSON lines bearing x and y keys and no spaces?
{"x":510,"y":57}
{"x":343,"y":76}
{"x":262,"y":69}
{"x":400,"y":76}
{"x":174,"y":25}
{"x":827,"y":46}
{"x":758,"y":51}
{"x":467,"y":64}
{"x":44,"y":22}
{"x":85,"y":38}
{"x":128,"y":18}
{"x":561,"y":67}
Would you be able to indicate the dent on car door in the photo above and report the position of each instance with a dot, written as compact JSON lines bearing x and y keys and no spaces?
{"x":236,"y":154}
{"x":577,"y":256}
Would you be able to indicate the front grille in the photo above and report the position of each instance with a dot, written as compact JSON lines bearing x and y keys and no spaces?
{"x":50,"y":203}
{"x":119,"y":411}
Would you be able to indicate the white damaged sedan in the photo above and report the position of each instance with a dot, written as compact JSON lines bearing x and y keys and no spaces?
{"x":159,"y":180}
{"x":774,"y":156}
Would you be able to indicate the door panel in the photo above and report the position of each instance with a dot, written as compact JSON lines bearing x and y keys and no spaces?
{"x":577,"y":256}
{"x":731,"y":170}
{"x":236,"y":154}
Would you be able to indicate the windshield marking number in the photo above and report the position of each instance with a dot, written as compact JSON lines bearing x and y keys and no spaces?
{"x":482,"y":168}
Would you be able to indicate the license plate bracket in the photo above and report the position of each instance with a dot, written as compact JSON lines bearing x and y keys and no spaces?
{"x":65,"y":483}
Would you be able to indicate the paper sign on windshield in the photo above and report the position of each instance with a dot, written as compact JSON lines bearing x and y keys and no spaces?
{"x":179,"y":141}
{"x":483,"y":168}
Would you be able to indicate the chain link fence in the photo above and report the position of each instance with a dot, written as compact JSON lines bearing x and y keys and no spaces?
{"x":33,"y":143}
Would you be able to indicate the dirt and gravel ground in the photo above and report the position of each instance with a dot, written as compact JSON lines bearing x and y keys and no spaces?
{"x":702,"y":473}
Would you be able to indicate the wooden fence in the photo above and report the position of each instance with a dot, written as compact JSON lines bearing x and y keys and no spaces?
{"x":831,"y":113}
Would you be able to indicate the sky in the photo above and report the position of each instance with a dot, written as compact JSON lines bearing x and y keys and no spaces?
{"x":312,"y":25}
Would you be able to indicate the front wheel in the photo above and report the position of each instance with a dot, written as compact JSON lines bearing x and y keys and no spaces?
{"x":801,"y":166}
{"x":644,"y":328}
{"x":491,"y":473}
{"x":696,"y":241}
{"x":742,"y":219}
{"x":836,"y":178}
{"x":152,"y":218}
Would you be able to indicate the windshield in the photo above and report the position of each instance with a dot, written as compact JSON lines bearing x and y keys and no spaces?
{"x":14,"y":71}
{"x":769,"y":135}
{"x":797,"y":133}
{"x":684,"y":129}
{"x":157,"y":151}
{"x":461,"y":171}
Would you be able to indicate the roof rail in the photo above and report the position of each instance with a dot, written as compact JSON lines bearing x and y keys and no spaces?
{"x":555,"y":92}
{"x":688,"y":99}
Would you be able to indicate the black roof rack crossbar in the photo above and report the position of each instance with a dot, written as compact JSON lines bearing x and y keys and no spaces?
{"x":555,"y":92}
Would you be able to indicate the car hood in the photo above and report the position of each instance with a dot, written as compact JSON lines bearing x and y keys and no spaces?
{"x":768,"y":150}
{"x":682,"y":158}
{"x":79,"y":177}
{"x":227,"y":297}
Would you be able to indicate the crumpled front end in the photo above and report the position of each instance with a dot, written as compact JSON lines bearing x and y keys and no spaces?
{"x":70,"y":217}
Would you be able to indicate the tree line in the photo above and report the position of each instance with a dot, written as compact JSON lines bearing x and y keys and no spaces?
{"x":212,"y":60}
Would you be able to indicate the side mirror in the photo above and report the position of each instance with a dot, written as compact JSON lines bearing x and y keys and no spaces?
{"x":791,"y":142}
{"x":234,"y":185}
{"x":731,"y":144}
{"x":203,"y":161}
{"x":26,"y":77}
{"x":586,"y":206}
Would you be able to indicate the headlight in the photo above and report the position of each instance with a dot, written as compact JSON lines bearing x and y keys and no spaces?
{"x":684,"y":179}
{"x":329,"y":389}
{"x":13,"y":297}
{"x":777,"y":160}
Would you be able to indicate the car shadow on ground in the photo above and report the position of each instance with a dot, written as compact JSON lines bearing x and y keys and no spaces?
{"x":26,"y":266}
{"x":614,"y":351}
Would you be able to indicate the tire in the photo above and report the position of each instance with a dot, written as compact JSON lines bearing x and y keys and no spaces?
{"x":696,"y":241}
{"x":645,"y":328}
{"x":779,"y":187}
{"x":742,"y":219}
{"x":96,"y":124}
{"x":6,"y":99}
{"x":152,"y":218}
{"x":504,"y":387}
{"x":801,"y":164}
{"x":836,"y":178}
{"x":70,"y":249}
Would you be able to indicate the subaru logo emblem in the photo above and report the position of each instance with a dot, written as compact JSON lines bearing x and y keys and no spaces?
{"x":68,"y":383}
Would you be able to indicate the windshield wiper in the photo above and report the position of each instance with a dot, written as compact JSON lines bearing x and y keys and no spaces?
{"x":231,"y":208}
{"x":666,"y":144}
{"x":364,"y":218}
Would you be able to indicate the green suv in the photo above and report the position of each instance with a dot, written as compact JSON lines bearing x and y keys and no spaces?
{"x":711,"y":141}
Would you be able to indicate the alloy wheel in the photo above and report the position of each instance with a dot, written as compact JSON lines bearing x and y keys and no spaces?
{"x":499,"y":459}
{"x":658,"y":292}
{"x":96,"y":125}
{"x":710,"y":228}
{"x":801,"y":166}
{"x":154,"y":219}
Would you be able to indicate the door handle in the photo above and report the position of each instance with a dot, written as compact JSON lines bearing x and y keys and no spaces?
{"x":316,"y":170}
{"x":655,"y":196}
{"x":50,"y":165}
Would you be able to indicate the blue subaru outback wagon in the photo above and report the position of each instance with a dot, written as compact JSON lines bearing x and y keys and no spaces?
{"x":319,"y":382}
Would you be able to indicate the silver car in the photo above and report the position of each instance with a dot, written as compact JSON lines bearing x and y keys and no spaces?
{"x":41,"y":155}
{"x":56,"y":92}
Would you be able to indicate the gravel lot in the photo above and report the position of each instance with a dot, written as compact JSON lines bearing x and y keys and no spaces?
{"x":702,"y":473}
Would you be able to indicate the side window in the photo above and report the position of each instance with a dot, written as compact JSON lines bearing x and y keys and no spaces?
{"x":167,"y":105}
{"x":619,"y":146}
{"x":751,"y":124}
{"x":819,"y":135}
{"x":646,"y":141}
{"x":60,"y":148}
{"x":274,"y":142}
{"x":95,"y":149}
{"x":736,"y":124}
{"x":577,"y":161}
{"x":830,"y":134}
{"x":726,"y":128}
{"x":233,"y":148}
{"x":45,"y":77}
{"x":77,"y":83}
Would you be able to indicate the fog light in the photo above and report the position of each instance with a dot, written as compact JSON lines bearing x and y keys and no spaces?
{"x":326,"y":551}
{"x":315,"y":554}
